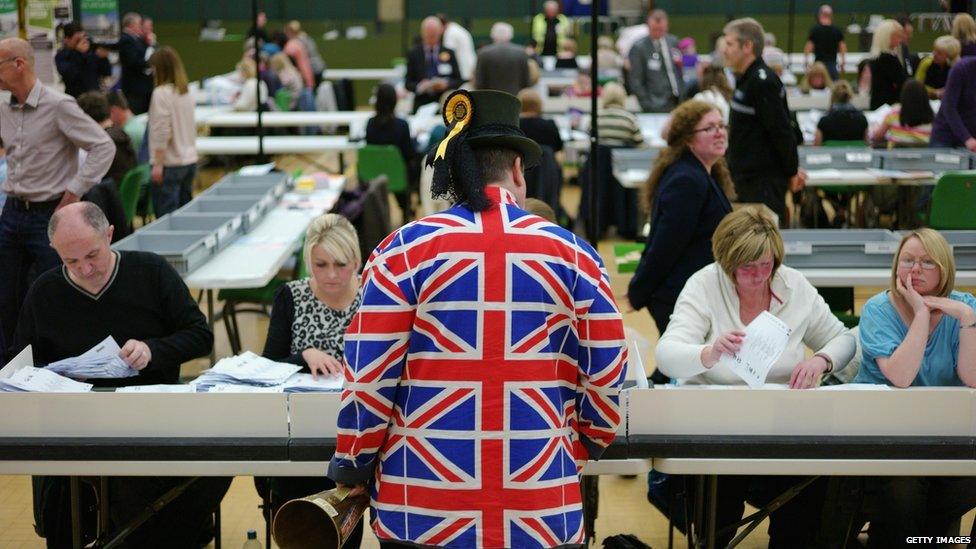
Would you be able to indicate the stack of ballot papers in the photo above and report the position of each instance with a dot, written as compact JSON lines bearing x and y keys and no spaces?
{"x":297,"y":383}
{"x":245,"y":369}
{"x":250,"y":373}
{"x":304,"y":383}
{"x":100,"y":362}
{"x":38,"y":380}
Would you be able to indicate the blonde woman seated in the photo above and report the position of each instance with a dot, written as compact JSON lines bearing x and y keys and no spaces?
{"x":816,"y":78}
{"x":308,"y":324}
{"x":719,"y":301}
{"x":922,"y":333}
{"x":309,"y":317}
{"x":713,"y":309}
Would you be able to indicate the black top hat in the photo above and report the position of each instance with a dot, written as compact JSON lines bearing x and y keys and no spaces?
{"x":478,"y":119}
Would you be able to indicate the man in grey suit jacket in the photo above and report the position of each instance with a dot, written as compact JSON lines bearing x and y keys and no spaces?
{"x":655,"y":75}
{"x":502,"y":65}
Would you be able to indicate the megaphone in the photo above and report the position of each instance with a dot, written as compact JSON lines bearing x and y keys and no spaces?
{"x":322,"y":520}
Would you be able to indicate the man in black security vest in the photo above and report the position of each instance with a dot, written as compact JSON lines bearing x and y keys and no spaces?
{"x":762,"y":141}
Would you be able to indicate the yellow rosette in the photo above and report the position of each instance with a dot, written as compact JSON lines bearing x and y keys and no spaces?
{"x":458,"y":112}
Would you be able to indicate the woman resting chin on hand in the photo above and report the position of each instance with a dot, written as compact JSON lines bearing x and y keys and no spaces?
{"x":919,"y":333}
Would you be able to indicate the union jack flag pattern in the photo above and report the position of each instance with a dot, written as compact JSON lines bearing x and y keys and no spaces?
{"x":483,"y":368}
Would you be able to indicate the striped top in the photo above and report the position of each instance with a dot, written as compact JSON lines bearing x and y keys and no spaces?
{"x":898,"y":134}
{"x":619,"y":128}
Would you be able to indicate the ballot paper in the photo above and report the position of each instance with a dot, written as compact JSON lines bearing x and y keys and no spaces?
{"x":765,"y":340}
{"x":304,"y":383}
{"x":257,"y":169}
{"x":22,"y":360}
{"x":100,"y":362}
{"x":246,"y":369}
{"x":157,"y":389}
{"x":38,"y":380}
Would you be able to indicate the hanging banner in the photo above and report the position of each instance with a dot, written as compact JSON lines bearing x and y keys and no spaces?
{"x":100,"y":19}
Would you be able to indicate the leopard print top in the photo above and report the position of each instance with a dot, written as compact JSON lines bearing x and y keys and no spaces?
{"x":315,"y":324}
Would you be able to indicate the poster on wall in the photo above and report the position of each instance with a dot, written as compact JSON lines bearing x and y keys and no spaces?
{"x":8,"y":18}
{"x":44,"y":17}
{"x":100,"y":19}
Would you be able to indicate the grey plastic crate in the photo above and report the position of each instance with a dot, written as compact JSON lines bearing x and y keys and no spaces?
{"x":838,"y":158}
{"x":246,"y":189}
{"x":963,"y":248}
{"x":225,"y":226}
{"x":184,"y":250}
{"x":277,"y":184}
{"x":273,"y":178}
{"x":935,"y":160}
{"x":634,"y":159}
{"x":251,"y":208}
{"x":839,"y":248}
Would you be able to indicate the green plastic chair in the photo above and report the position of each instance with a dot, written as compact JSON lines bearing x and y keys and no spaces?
{"x":282,"y":99}
{"x":377,"y":160}
{"x":953,"y":201}
{"x":147,"y":202}
{"x":129,"y":188}
{"x":262,"y":298}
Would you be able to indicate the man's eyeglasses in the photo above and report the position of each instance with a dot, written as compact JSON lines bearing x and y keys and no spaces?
{"x":714,"y":129}
{"x":926,"y":264}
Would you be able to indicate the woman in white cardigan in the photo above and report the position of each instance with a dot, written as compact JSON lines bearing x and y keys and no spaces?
{"x":719,"y":301}
{"x":709,"y":320}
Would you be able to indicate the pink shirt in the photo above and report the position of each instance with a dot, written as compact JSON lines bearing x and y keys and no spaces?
{"x":296,"y":50}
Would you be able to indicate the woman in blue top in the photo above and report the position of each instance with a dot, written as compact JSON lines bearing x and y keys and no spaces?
{"x":919,"y":333}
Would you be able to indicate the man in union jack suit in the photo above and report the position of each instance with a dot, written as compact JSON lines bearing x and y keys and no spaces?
{"x":485,"y":361}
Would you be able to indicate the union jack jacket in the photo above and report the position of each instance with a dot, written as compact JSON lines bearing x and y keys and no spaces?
{"x":484,"y":366}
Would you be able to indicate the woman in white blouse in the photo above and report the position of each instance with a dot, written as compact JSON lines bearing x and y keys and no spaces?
{"x":709,"y":320}
{"x":719,"y":301}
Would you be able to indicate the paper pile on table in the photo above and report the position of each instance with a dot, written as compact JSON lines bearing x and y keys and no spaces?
{"x":304,"y":383}
{"x":38,"y":380}
{"x":246,"y":369}
{"x":100,"y":362}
